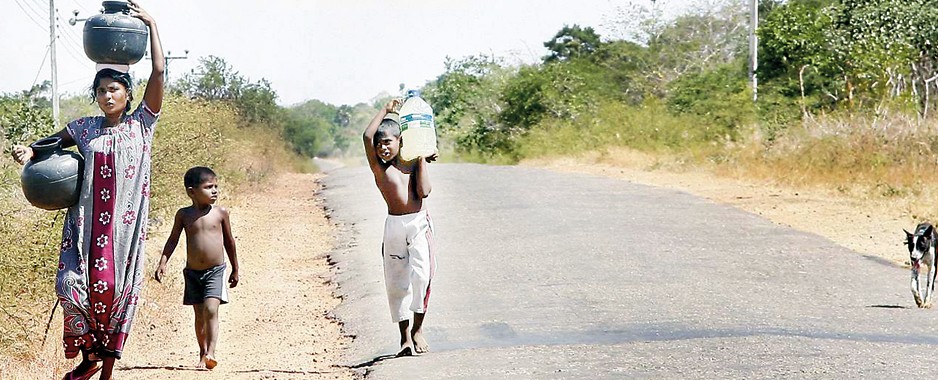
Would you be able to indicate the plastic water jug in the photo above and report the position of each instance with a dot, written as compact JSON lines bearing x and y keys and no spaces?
{"x":418,"y":131}
{"x":52,"y":178}
{"x":114,"y":36}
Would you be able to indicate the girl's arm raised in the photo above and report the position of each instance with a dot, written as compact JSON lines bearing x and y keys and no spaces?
{"x":154,"y":93}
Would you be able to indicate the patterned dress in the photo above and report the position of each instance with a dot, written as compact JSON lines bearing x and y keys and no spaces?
{"x":101,"y":262}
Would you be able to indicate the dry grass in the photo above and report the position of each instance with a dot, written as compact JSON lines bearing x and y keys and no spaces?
{"x":886,"y":158}
{"x":189,"y":133}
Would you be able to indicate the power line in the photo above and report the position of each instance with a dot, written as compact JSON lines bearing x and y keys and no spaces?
{"x":68,"y":32}
{"x":37,"y":9}
{"x":73,"y":47}
{"x":40,"y":67}
{"x":81,"y":6}
{"x":45,"y":29}
{"x":71,"y":50}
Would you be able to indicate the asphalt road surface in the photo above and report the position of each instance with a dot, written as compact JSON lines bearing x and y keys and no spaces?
{"x":545,"y":275}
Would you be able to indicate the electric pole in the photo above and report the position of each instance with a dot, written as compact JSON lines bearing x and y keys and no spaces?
{"x":754,"y":48}
{"x":55,"y":76}
{"x":169,"y":56}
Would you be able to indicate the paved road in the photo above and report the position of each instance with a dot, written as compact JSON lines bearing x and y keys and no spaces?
{"x":561,"y":276}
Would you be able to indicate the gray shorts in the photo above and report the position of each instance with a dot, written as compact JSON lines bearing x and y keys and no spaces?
{"x":202,"y":284}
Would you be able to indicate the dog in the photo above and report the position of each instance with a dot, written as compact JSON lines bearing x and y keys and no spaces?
{"x":922,"y":251}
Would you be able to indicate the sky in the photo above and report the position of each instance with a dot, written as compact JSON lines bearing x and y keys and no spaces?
{"x":339,"y":52}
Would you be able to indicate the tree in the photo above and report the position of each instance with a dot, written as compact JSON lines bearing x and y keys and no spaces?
{"x":215,"y":79}
{"x":869,"y":50}
{"x":26,"y":117}
{"x":258,"y":102}
{"x":571,"y":42}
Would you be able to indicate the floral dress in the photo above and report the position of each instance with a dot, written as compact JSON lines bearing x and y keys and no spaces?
{"x":101,"y":262}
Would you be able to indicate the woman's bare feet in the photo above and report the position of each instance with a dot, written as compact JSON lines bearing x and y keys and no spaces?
{"x":84,"y":370}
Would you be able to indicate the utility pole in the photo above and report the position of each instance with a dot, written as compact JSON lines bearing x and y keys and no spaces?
{"x":754,"y":48}
{"x":55,"y":76}
{"x":169,"y":56}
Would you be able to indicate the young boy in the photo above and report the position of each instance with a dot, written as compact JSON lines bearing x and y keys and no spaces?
{"x":408,"y":232}
{"x":208,"y":237}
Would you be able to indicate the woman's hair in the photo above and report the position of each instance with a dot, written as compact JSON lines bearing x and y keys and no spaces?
{"x":122,"y":78}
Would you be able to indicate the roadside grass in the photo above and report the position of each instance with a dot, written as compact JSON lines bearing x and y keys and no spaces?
{"x":891,"y":156}
{"x":189,"y":133}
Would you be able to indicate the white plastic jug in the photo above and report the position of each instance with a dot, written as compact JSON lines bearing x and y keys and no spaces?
{"x":418,"y":131}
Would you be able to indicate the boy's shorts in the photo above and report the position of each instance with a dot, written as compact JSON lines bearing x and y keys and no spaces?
{"x":202,"y":284}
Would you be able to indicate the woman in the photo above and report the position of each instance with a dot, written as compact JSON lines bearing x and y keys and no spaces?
{"x":101,"y":259}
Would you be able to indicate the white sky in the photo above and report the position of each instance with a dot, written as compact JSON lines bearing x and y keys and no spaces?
{"x":340,"y":52}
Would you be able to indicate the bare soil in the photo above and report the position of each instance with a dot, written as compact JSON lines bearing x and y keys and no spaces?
{"x":278,"y":324}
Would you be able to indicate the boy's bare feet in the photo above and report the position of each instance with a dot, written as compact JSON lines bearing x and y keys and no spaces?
{"x":407,"y":344}
{"x":206,"y":362}
{"x":210,"y":362}
{"x":420,"y":343}
{"x":405,"y":351}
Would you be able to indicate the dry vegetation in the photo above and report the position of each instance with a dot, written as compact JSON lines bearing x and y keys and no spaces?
{"x":189,"y":133}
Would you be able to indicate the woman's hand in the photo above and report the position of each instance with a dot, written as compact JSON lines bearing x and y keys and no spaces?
{"x":22,"y":154}
{"x":138,"y":12}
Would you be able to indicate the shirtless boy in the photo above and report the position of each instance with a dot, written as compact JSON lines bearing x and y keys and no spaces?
{"x":409,"y":261}
{"x":208,"y":238}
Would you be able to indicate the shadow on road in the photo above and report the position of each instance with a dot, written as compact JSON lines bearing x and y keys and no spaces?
{"x":889,"y":306}
{"x":162,"y":367}
{"x":373,"y":361}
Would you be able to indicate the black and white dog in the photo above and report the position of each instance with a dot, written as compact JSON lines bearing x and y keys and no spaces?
{"x":922,"y":251}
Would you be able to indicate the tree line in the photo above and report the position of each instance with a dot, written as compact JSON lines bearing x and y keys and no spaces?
{"x":684,"y":79}
{"x":689,"y":75}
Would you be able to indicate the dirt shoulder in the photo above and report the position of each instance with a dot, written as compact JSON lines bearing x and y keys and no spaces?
{"x":278,"y":324}
{"x":871,"y":228}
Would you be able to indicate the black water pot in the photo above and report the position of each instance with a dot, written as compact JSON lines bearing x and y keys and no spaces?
{"x":114,"y":36}
{"x":52,"y":178}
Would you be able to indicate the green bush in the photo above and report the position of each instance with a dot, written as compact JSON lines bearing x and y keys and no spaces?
{"x":720,"y":98}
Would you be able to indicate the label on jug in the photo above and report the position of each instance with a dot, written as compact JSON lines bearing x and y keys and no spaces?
{"x":419,"y":120}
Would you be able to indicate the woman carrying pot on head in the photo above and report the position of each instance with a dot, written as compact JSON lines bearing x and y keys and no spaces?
{"x":100,"y":272}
